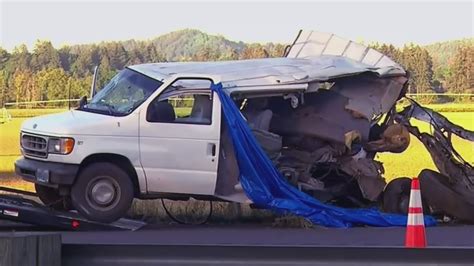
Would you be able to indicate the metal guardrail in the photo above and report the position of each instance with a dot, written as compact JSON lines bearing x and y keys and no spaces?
{"x":118,"y":255}
{"x":215,"y":245}
{"x":43,"y":248}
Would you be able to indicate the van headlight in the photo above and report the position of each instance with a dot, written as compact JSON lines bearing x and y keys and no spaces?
{"x":60,"y":145}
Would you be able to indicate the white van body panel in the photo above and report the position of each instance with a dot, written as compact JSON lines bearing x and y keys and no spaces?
{"x":177,"y":158}
{"x":93,"y":134}
{"x":165,"y":148}
{"x":82,"y":123}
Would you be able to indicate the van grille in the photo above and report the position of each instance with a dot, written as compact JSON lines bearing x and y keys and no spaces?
{"x":35,"y":146}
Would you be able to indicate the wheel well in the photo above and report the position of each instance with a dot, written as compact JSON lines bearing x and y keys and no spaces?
{"x":119,"y":160}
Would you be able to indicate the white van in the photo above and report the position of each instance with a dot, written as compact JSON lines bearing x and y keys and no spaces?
{"x":157,"y":130}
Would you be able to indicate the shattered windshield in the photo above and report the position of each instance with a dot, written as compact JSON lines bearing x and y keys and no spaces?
{"x":125,"y":92}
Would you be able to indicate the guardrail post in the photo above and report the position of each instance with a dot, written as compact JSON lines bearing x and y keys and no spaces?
{"x":30,"y":249}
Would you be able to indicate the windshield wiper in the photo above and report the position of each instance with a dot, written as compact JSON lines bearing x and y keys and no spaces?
{"x":110,"y":108}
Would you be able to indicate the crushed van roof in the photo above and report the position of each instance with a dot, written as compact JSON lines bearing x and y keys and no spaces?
{"x":314,"y":56}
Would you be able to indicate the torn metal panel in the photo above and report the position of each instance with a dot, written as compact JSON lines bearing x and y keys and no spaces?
{"x":450,"y":192}
{"x":448,"y":161}
{"x":313,"y":43}
{"x":458,"y":172}
{"x":368,"y":95}
{"x":368,"y":174}
{"x":438,"y":120}
{"x":323,"y":116}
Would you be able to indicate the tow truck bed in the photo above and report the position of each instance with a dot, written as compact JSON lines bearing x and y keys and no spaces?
{"x":19,"y":209}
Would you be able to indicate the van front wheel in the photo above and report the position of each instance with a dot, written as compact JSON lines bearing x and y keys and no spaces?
{"x":103,"y":192}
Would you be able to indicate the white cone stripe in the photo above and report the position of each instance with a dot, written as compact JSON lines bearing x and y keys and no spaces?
{"x":415,"y":198}
{"x":415,"y":219}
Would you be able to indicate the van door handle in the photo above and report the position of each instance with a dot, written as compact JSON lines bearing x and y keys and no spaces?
{"x":212,"y":149}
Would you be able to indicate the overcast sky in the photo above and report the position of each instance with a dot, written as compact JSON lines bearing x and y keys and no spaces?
{"x":73,"y":22}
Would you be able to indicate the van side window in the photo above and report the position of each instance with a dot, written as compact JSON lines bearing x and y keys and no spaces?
{"x":186,"y":101}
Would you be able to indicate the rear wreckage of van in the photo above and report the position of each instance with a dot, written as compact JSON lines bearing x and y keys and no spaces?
{"x":324,"y":139}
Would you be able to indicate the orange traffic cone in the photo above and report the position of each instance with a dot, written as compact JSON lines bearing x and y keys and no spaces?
{"x":415,"y":235}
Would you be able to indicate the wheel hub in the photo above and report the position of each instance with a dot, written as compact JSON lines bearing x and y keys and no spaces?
{"x":103,"y":192}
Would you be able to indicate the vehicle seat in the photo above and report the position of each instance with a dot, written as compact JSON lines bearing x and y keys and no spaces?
{"x":260,"y":124}
{"x":201,"y":111}
{"x":161,"y":112}
{"x":261,"y":120}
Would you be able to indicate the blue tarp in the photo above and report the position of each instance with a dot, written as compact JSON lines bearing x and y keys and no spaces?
{"x":265,"y":186}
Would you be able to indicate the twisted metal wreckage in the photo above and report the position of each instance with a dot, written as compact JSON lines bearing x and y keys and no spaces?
{"x":324,"y":138}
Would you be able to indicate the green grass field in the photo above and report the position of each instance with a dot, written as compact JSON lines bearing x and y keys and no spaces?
{"x":408,"y":163}
{"x":9,"y":144}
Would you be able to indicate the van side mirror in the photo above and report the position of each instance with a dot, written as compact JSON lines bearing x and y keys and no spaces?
{"x":83,"y":101}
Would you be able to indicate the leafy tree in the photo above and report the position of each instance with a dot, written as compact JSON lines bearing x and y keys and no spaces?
{"x":461,"y":78}
{"x":4,"y":57}
{"x":66,"y":57}
{"x":205,"y":54}
{"x":185,"y":44}
{"x":254,"y":51}
{"x":52,"y":83}
{"x":233,"y":55}
{"x":106,"y":71}
{"x":151,"y":55}
{"x":78,"y":87}
{"x":275,"y":50}
{"x":44,"y":56}
{"x":21,"y":79}
{"x":443,"y":54}
{"x":136,"y":57}
{"x":3,"y":87}
{"x":20,"y":59}
{"x":419,"y":64}
{"x":84,"y":60}
{"x":389,"y":50}
{"x":117,"y":55}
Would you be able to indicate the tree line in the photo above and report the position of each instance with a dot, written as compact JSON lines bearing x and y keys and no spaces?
{"x":457,"y":74}
{"x":47,"y":73}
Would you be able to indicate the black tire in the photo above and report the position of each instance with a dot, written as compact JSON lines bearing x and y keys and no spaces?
{"x":443,"y":198}
{"x":396,"y":197}
{"x":103,"y":192}
{"x":51,"y":198}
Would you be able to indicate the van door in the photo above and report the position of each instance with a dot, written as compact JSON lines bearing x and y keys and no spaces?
{"x":179,"y":138}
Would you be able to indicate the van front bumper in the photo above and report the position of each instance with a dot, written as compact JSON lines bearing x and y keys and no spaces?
{"x":46,"y":173}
